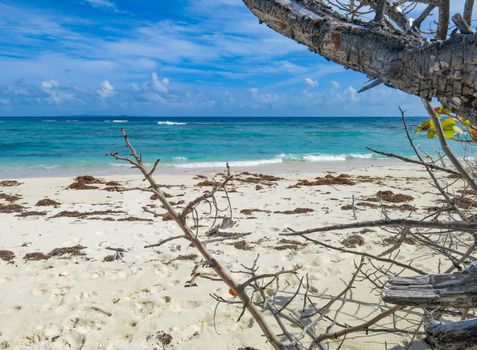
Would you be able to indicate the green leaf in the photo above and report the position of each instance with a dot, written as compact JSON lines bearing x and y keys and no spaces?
{"x":443,"y":110}
{"x":449,"y":133}
{"x":448,"y":123}
{"x":424,"y":126}
{"x":458,"y":130}
{"x":466,"y":123}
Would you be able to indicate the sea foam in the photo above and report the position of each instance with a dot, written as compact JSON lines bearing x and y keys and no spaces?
{"x":281,"y":158}
{"x":237,"y":163}
{"x":171,"y":123}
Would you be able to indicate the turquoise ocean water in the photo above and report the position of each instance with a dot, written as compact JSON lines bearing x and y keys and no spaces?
{"x":72,"y":145}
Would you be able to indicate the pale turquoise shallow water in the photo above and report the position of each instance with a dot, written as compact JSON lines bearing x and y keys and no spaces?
{"x":52,"y":146}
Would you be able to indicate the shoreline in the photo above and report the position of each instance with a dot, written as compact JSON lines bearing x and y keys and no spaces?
{"x":284,"y":168}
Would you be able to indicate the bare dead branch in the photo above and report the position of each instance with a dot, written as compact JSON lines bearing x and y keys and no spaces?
{"x":209,"y":259}
{"x":371,"y":256}
{"x":451,"y":225}
{"x":165,"y":241}
{"x":410,"y":160}
{"x":469,"y":6}
{"x":359,"y":328}
{"x":443,"y":24}
{"x":460,"y":23}
{"x":445,"y":146}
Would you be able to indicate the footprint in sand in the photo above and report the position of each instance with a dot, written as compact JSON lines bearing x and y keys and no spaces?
{"x":73,"y":340}
{"x":140,"y":293}
{"x":39,"y":291}
{"x":5,"y":279}
{"x":118,"y":275}
{"x":89,"y":323}
{"x":58,"y":294}
{"x":147,"y":307}
{"x":95,"y":275}
{"x":85,"y":295}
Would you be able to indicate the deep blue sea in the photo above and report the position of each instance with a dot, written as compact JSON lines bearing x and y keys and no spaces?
{"x":61,"y":145}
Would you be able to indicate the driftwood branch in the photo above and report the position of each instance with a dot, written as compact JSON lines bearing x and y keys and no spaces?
{"x":448,"y":151}
{"x":443,"y":24}
{"x":441,"y":225}
{"x":414,"y":161}
{"x":469,"y":6}
{"x":455,"y":335}
{"x":165,"y":241}
{"x":460,"y":23}
{"x":359,"y":328}
{"x":225,"y":276}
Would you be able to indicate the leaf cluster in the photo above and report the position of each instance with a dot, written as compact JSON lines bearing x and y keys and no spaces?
{"x":454,"y":126}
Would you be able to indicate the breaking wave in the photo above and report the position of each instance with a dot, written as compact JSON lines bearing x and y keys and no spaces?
{"x":171,"y":123}
{"x":281,"y":158}
{"x":116,"y":121}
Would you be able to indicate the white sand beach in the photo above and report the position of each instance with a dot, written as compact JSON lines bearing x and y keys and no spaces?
{"x":76,"y":299}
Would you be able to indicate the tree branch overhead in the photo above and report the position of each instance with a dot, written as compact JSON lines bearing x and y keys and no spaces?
{"x":442,"y":69}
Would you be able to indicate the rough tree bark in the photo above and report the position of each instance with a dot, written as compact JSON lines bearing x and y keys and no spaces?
{"x":444,"y":69}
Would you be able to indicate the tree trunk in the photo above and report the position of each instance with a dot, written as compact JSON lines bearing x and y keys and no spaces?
{"x":445,"y":69}
{"x":448,"y":290}
{"x":453,"y":336}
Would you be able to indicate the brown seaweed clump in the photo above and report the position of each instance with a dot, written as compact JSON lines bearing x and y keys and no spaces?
{"x":31,"y":213}
{"x":110,"y":258}
{"x":9,"y":183}
{"x":395,"y":239}
{"x":257,"y":179}
{"x":465,"y":202}
{"x":167,"y":217}
{"x":353,"y":241}
{"x":77,"y":214}
{"x":327,"y":180}
{"x":160,"y":338}
{"x":242,"y":245}
{"x":206,"y":183}
{"x":251,"y":211}
{"x":84,"y":183}
{"x":389,"y":196}
{"x":295,"y":211}
{"x":72,"y":251}
{"x":7,"y":255}
{"x":134,"y":218}
{"x":46,"y":202}
{"x":188,"y":257}
{"x":166,"y":195}
{"x":55,"y":253}
{"x":11,"y":208}
{"x":35,"y":256}
{"x":113,"y":183}
{"x":286,"y":244}
{"x":9,"y":198}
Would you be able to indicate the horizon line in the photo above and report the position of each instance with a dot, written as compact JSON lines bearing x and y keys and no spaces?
{"x":203,"y":116}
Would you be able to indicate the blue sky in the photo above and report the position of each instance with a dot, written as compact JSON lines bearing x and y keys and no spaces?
{"x":168,"y":58}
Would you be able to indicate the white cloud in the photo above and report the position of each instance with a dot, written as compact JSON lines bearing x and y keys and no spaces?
{"x":102,"y":4}
{"x":310,"y":82}
{"x":352,"y":94}
{"x":159,"y":85}
{"x":47,"y":85}
{"x":20,"y":87}
{"x":153,"y":90}
{"x":107,"y":90}
{"x":55,"y":95}
{"x":253,"y":91}
{"x":335,"y":85}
